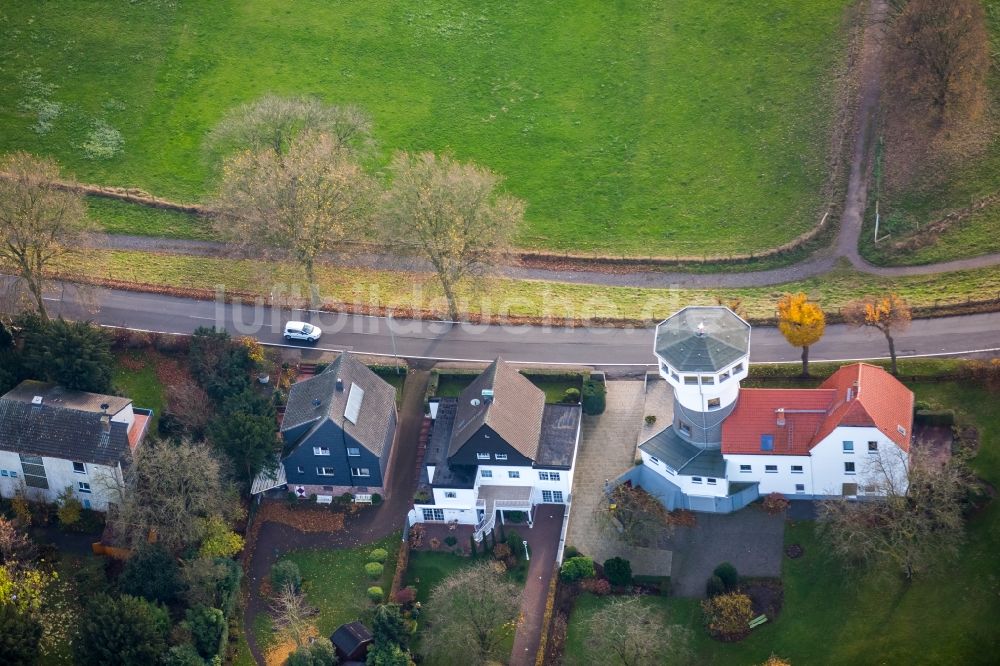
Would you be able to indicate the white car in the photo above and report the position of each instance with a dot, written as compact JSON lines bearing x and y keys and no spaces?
{"x":300,"y":330}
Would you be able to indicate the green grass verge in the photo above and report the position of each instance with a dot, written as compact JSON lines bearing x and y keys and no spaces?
{"x":661,"y":127}
{"x":142,"y":386}
{"x":507,"y":297}
{"x":119,"y":217}
{"x":832,"y":617}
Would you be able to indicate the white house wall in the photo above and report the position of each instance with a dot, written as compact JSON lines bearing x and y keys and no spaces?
{"x":685,"y":482}
{"x":782,"y":481}
{"x":59,"y":474}
{"x":828,"y":459}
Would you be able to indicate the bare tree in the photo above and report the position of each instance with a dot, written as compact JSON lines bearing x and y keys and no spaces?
{"x":453,"y":215}
{"x":889,"y":314}
{"x":635,"y":515}
{"x":170,"y":490}
{"x":39,"y":222}
{"x":292,"y":614}
{"x":472,"y":610}
{"x":274,"y":122}
{"x":629,"y":632}
{"x":191,"y":406}
{"x":301,"y":204}
{"x":910,"y":520}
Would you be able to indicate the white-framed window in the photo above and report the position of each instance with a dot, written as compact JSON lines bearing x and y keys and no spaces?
{"x":711,"y":481}
{"x":79,"y":468}
{"x":300,"y":470}
{"x":685,"y":428}
{"x":674,"y":376}
{"x":482,"y":456}
{"x":557,"y":496}
{"x":691,"y":380}
{"x":746,"y":468}
{"x":872,"y":447}
{"x":848,"y":468}
{"x":695,"y":479}
{"x":13,"y":473}
{"x":724,"y":376}
{"x":770,"y":469}
{"x":511,"y":474}
{"x":548,"y":476}
{"x":901,"y":430}
{"x":450,"y":494}
{"x":500,"y":456}
{"x":552,"y":496}
{"x":321,"y":450}
{"x":738,"y":368}
{"x":800,"y":488}
{"x":708,"y":379}
{"x":433,"y":514}
{"x":360,"y":471}
{"x":83,"y":487}
{"x":796,"y":469}
{"x":324,"y":471}
{"x":353,"y":451}
{"x":714,"y":403}
{"x":486,"y":473}
{"x":848,"y":447}
{"x":4,"y":472}
{"x":654,"y":460}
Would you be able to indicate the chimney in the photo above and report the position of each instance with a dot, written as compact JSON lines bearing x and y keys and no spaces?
{"x":780,"y":411}
{"x":340,"y":384}
{"x":105,"y":423}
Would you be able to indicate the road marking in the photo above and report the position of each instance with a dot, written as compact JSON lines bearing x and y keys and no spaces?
{"x":197,"y":317}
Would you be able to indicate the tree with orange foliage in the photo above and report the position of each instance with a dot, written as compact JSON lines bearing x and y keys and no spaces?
{"x":889,"y":314}
{"x":802,"y":322}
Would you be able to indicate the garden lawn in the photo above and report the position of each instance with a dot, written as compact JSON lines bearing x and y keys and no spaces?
{"x":506,"y":297}
{"x":831,"y":617}
{"x":334,"y":581}
{"x":142,"y":385}
{"x":955,"y":188}
{"x":665,"y":127}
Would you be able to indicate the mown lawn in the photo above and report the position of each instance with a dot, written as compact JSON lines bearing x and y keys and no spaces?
{"x":834,"y":617}
{"x":664,"y":127}
{"x":953,"y":188}
{"x":502,"y":297}
{"x":142,"y":385}
{"x":334,"y":581}
{"x":118,"y":217}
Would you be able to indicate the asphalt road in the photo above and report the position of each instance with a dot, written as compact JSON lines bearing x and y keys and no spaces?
{"x":536,"y":344}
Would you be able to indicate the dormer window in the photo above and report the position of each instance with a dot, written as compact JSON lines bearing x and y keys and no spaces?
{"x":482,"y":456}
{"x":500,"y":456}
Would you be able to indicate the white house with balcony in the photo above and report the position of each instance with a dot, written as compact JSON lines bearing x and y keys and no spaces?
{"x":727,"y":445}
{"x":495,"y":449}
{"x":53,"y":440}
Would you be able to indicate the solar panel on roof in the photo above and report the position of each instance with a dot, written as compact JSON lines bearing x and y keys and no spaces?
{"x":354,"y":398}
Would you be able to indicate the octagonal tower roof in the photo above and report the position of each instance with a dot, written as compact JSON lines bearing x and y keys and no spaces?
{"x":702,"y":339}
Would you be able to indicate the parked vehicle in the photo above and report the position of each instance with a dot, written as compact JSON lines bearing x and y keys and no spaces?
{"x":300,"y":330}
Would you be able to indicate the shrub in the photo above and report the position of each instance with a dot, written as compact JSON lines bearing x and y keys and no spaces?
{"x":376,"y":499}
{"x":374,"y":570}
{"x":515,"y":543}
{"x":151,"y":573}
{"x":219,"y":541}
{"x":570,"y":551}
{"x":473,"y":546}
{"x":285,"y":573}
{"x":103,"y":142}
{"x":501,"y":551}
{"x":378,"y":555}
{"x":775,"y":503}
{"x":184,"y":654}
{"x":714,"y":587}
{"x":727,"y":615}
{"x":450,"y":540}
{"x":375,"y":593}
{"x":728,"y":575}
{"x":206,"y":626}
{"x":593,"y":398}
{"x":597,"y":586}
{"x":650,"y":419}
{"x":571,"y":395}
{"x":515,"y":516}
{"x":318,"y":653}
{"x":70,"y":508}
{"x":406,"y":596}
{"x":577,"y":568}
{"x":618,"y":571}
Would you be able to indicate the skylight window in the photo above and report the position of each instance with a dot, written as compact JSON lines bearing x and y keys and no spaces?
{"x":767,"y":442}
{"x":353,"y":408}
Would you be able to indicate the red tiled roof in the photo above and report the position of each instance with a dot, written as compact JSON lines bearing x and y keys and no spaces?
{"x":756,"y":414}
{"x":877,"y":400}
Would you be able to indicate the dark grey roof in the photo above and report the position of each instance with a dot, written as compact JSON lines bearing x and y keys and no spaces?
{"x":514,"y":412}
{"x":57,"y":396}
{"x":57,"y":431}
{"x":445,"y":474}
{"x":560,"y":431}
{"x":722,"y":340}
{"x":684,"y":457}
{"x":316,"y":400}
{"x":349,"y":637}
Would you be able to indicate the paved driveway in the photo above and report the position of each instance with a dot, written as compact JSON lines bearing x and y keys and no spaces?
{"x":750,"y":540}
{"x":607,"y":449}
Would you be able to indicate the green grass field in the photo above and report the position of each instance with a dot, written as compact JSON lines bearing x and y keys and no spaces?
{"x":659,"y":127}
{"x":830,"y":617}
{"x":118,"y":217}
{"x":142,"y":386}
{"x":908,"y":211}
